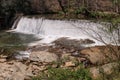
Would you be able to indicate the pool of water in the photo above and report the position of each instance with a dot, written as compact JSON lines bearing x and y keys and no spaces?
{"x":16,"y":39}
{"x":11,"y":42}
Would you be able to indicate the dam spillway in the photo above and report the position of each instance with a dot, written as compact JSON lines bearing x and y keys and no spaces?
{"x":51,"y":30}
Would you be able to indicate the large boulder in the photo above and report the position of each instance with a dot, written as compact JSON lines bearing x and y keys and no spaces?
{"x":101,"y":54}
{"x":104,"y":69}
{"x":73,"y":43}
{"x":13,"y":71}
{"x":43,"y":56}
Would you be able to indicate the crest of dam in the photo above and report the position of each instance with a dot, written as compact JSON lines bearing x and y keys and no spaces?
{"x":51,"y":30}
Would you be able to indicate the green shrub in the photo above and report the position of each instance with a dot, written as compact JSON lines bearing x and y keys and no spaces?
{"x":64,"y":74}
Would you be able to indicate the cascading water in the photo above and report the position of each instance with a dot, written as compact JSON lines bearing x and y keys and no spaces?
{"x":50,"y":30}
{"x":54,"y":29}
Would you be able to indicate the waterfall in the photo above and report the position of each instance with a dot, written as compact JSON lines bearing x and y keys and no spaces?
{"x":53,"y":29}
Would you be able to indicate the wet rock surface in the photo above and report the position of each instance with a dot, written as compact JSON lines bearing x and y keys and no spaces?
{"x":73,"y":43}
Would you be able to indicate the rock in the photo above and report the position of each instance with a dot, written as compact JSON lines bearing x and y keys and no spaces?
{"x":54,"y":65}
{"x":95,"y":72}
{"x":12,"y":72}
{"x":81,"y":59}
{"x":67,"y":57}
{"x":76,"y":54}
{"x":69,"y":64}
{"x":40,"y":48}
{"x":2,"y":60}
{"x":99,"y":54}
{"x":21,"y":71}
{"x":42,"y":56}
{"x":16,"y":70}
{"x":18,"y":76}
{"x":96,"y":58}
{"x":106,"y":69}
{"x":35,"y":69}
{"x":72,"y":43}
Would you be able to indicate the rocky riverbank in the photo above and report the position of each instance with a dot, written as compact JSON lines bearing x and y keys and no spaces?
{"x":63,"y":54}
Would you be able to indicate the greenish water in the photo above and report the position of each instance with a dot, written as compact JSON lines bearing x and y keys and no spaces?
{"x":10,"y":42}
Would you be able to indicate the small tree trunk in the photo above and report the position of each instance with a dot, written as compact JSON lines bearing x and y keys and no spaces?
{"x":117,"y":9}
{"x":62,"y":7}
{"x":119,"y":35}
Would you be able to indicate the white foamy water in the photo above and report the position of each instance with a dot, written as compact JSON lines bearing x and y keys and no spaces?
{"x":51,"y":30}
{"x":22,"y":55}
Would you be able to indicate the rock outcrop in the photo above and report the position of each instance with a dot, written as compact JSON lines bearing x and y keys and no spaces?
{"x":101,"y":54}
{"x":73,"y":43}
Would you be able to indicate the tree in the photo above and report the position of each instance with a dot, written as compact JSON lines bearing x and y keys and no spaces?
{"x":8,"y":9}
{"x":64,"y":6}
{"x":22,"y":6}
{"x":116,"y":4}
{"x":116,"y":27}
{"x":0,"y":8}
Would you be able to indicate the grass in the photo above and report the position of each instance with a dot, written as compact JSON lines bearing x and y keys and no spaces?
{"x":64,"y":74}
